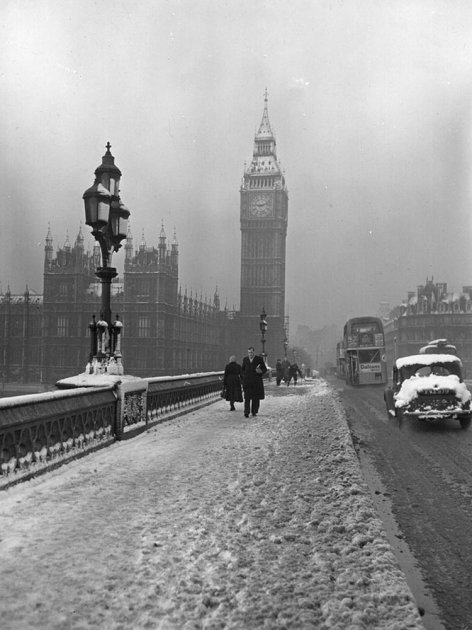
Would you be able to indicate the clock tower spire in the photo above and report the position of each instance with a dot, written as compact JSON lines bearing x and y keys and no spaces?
{"x":263,"y":216}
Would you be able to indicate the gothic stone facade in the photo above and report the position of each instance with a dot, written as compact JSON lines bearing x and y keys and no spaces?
{"x":46,"y":338}
{"x":431,"y":313}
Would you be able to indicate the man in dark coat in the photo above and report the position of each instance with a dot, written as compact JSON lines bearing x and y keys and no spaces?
{"x":252,"y":369}
{"x":232,"y":382}
{"x":286,"y":369}
{"x":279,"y":372}
{"x":293,"y":372}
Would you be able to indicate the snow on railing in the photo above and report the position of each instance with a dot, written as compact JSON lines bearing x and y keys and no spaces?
{"x":42,"y":431}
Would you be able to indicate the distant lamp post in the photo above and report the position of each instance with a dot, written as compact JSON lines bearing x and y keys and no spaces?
{"x":285,"y":346}
{"x":263,"y":328}
{"x":108,"y":217}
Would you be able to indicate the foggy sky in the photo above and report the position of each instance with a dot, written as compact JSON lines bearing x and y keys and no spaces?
{"x":370,"y":102}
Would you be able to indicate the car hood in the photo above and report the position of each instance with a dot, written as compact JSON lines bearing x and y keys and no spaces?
{"x":411,"y":387}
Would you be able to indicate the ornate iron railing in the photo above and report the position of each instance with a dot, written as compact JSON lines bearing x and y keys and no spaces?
{"x":167,"y":395}
{"x":42,"y":431}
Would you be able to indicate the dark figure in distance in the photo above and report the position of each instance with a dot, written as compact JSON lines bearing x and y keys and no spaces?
{"x":252,"y":369}
{"x":279,"y":372}
{"x":286,"y":369}
{"x":232,"y":382}
{"x":293,"y":372}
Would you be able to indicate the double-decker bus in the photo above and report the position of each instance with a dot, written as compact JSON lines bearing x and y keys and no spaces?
{"x":364,"y":351}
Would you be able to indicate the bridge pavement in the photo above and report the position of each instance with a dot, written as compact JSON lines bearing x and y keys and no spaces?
{"x":210,"y":520}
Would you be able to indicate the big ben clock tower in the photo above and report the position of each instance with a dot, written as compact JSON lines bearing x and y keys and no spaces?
{"x":263,"y":213}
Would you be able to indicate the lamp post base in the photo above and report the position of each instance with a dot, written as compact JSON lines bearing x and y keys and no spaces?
{"x":106,"y":365}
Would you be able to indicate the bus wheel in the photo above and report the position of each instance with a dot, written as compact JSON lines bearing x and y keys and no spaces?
{"x":465,"y":422}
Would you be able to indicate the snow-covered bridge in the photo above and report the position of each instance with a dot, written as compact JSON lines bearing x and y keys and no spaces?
{"x":208,"y":520}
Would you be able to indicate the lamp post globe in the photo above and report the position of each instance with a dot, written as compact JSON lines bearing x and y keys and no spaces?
{"x":108,"y":217}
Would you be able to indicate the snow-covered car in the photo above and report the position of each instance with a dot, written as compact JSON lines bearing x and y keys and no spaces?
{"x":429,"y":387}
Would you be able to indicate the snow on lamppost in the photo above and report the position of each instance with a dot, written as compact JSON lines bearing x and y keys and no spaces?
{"x":263,"y":328}
{"x":108,"y":217}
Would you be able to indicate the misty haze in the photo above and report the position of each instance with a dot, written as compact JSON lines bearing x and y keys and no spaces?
{"x":370,"y":104}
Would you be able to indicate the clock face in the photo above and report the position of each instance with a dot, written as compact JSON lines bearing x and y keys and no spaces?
{"x":260,"y":206}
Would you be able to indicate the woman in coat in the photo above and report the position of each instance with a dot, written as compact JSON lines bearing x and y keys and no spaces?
{"x":232,"y":382}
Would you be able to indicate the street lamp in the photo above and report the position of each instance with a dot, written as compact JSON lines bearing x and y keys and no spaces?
{"x":263,"y":327}
{"x":285,"y":346}
{"x":106,"y":214}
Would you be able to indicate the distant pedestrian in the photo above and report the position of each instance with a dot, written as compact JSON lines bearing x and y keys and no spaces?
{"x":232,"y":383}
{"x":286,"y":369}
{"x":303,"y":372}
{"x":279,"y":372}
{"x":293,"y":372}
{"x":253,"y":368}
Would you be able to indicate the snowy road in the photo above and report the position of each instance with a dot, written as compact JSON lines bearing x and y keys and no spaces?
{"x":212,"y":521}
{"x":424,"y":473}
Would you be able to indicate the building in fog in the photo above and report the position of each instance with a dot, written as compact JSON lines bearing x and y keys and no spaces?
{"x":431,"y":312}
{"x":319,"y":344}
{"x":166,"y":331}
{"x":21,"y":320}
{"x":263,"y":219}
{"x":44,"y":338}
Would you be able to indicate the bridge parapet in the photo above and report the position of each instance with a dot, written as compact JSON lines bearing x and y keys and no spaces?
{"x":39,"y":432}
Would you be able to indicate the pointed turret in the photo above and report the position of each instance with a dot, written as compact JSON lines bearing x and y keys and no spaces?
{"x":129,"y":244}
{"x":48,"y":248}
{"x":142,"y":244}
{"x":162,"y":242}
{"x":174,"y":250}
{"x":265,"y":131}
{"x":264,"y":170}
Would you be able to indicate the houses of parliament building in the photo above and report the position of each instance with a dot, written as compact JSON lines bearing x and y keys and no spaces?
{"x":44,"y":338}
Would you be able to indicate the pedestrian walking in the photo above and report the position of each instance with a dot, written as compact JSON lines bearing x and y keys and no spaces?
{"x":253,"y":368}
{"x":285,"y":369}
{"x":232,"y":383}
{"x":293,"y":372}
{"x":279,"y":372}
{"x":303,"y":372}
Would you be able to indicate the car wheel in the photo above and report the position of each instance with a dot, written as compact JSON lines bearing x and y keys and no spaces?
{"x":465,"y":422}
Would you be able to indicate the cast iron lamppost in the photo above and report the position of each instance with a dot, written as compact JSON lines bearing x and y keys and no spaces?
{"x":285,"y":346}
{"x":108,"y":218}
{"x":263,"y":327}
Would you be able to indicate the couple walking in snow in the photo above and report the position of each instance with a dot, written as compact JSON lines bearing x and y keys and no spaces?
{"x":249,"y":374}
